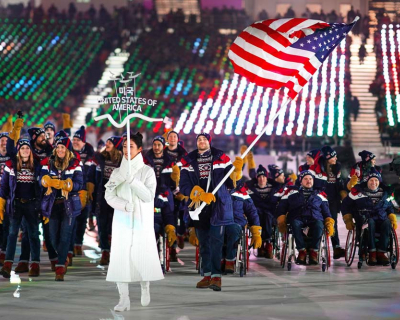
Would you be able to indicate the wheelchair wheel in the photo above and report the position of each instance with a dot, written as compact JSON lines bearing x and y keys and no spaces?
{"x":247,"y":249}
{"x":351,"y":246}
{"x":277,"y":244}
{"x":290,"y":249}
{"x":324,"y":252}
{"x":394,"y":249}
{"x":284,"y":249}
{"x":244,"y":264}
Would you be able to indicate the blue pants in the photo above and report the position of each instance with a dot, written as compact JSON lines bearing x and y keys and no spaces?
{"x":61,"y":227}
{"x":81,"y":221}
{"x":315,"y":232}
{"x":233,"y":233}
{"x":211,"y":241}
{"x":27,"y":212}
{"x":104,"y":223}
{"x":381,"y":227}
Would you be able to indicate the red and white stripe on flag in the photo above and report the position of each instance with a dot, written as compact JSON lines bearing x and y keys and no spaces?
{"x":263,"y":54}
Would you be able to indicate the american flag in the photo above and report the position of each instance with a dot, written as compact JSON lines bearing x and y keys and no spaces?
{"x":280,"y":53}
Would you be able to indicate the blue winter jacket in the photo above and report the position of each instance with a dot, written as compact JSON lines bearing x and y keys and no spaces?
{"x":221,"y":210}
{"x":73,"y":205}
{"x":357,"y":201}
{"x":9,"y":183}
{"x":164,"y":206}
{"x":294,"y":203}
{"x":243,"y":207}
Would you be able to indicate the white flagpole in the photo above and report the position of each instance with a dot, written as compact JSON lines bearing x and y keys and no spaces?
{"x":195,"y":214}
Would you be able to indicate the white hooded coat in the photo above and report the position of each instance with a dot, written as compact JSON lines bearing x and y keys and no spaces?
{"x":134,"y":255}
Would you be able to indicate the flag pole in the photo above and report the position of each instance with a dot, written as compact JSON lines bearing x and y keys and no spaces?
{"x":195,"y":214}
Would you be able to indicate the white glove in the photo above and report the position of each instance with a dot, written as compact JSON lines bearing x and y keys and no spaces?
{"x":129,"y":207}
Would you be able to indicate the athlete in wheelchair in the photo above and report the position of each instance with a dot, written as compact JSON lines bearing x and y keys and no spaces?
{"x":370,"y":205}
{"x":164,"y":223}
{"x":303,"y":207}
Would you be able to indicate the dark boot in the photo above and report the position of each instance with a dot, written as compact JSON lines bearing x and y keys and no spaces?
{"x":204,"y":283}
{"x":215,"y":284}
{"x":2,"y":258}
{"x":382,"y":258}
{"x":372,"y":258}
{"x":181,"y":242}
{"x":269,"y":252}
{"x":301,"y":258}
{"x":261,"y":251}
{"x":34,"y":270}
{"x":78,"y":250}
{"x":22,"y":267}
{"x":313,"y":257}
{"x":6,"y":269}
{"x":60,"y":271}
{"x":338,"y":253}
{"x":172,"y":255}
{"x":105,"y":258}
{"x":230,"y":266}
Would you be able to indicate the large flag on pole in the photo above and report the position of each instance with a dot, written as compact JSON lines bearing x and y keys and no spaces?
{"x":285,"y":53}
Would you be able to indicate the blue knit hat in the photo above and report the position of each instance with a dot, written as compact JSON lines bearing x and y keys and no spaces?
{"x":313,"y":153}
{"x":117,"y":141}
{"x":373,"y":173}
{"x":160,"y":138}
{"x":23,"y":142}
{"x":50,"y":125}
{"x":81,"y":134}
{"x":60,"y":134}
{"x":274,"y":171}
{"x":305,"y":173}
{"x":328,"y":152}
{"x":366,"y":155}
{"x":4,"y":135}
{"x":35,"y":133}
{"x":172,"y":131}
{"x":261,"y":171}
{"x":65,"y":142}
{"x":207,"y":135}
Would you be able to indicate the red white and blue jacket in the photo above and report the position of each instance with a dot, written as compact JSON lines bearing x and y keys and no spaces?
{"x":74,"y":172}
{"x":221,"y":210}
{"x":357,"y":202}
{"x":164,"y":207}
{"x":294,"y":203}
{"x":165,"y":176}
{"x":243,"y":207}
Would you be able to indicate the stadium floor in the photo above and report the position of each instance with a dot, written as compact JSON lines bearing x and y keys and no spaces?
{"x":267,"y":292}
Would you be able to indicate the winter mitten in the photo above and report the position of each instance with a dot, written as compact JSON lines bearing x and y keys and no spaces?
{"x":243,"y":148}
{"x":393,"y":220}
{"x":343,"y":194}
{"x":67,"y":123}
{"x":237,"y":173}
{"x":282,"y":223}
{"x":171,"y":235}
{"x":90,"y":190}
{"x":293,"y":177}
{"x":180,"y":197}
{"x":256,"y":240}
{"x":2,"y":209}
{"x":176,"y":175}
{"x":16,"y":130}
{"x":353,"y":181}
{"x":193,"y":238}
{"x":45,"y":220}
{"x":330,"y":226}
{"x":198,"y":194}
{"x":7,"y":127}
{"x":348,"y":220}
{"x":83,"y":194}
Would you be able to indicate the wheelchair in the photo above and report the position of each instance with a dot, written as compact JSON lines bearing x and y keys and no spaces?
{"x":288,"y":252}
{"x":164,"y":252}
{"x":359,"y":238}
{"x":276,"y":241}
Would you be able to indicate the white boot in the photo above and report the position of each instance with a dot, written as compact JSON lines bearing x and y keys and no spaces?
{"x":145,"y":299}
{"x":124,"y":302}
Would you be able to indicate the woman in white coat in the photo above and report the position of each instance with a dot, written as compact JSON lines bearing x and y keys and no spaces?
{"x":134,"y":256}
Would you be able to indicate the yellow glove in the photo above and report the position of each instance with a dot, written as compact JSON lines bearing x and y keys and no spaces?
{"x":170,"y":231}
{"x":198,"y":194}
{"x":343,"y":194}
{"x":243,"y":148}
{"x":48,"y":183}
{"x":83,"y":195}
{"x":2,"y":209}
{"x":45,"y":220}
{"x":176,"y":175}
{"x":193,"y":238}
{"x":330,"y":226}
{"x":7,"y":127}
{"x":67,"y":123}
{"x":16,"y":130}
{"x":66,"y":185}
{"x":237,"y":173}
{"x":255,"y":237}
{"x":180,"y":197}
{"x":282,"y":223}
{"x":90,"y":190}
{"x":250,"y":159}
{"x":393,"y":220}
{"x":348,"y":220}
{"x":353,"y":181}
{"x":293,"y":177}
